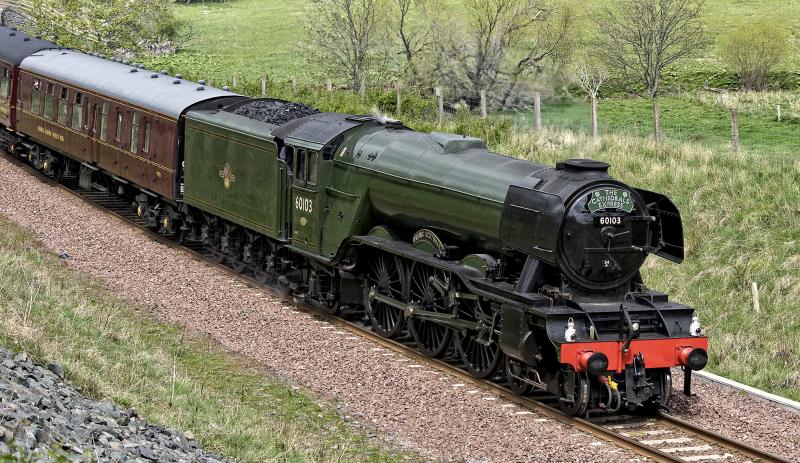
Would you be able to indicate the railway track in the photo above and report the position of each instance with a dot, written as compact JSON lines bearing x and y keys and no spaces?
{"x":660,"y":438}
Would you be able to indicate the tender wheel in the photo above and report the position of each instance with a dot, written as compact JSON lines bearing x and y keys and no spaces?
{"x":430,"y":289}
{"x":479,"y":349}
{"x":238,"y":266}
{"x":385,"y":274}
{"x":574,"y":393}
{"x":514,"y":371}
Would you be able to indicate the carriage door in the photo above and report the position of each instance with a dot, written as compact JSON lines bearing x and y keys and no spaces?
{"x":304,"y":199}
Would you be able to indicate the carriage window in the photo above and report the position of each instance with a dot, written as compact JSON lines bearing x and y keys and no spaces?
{"x":48,"y":101}
{"x":36,"y":99}
{"x":135,"y":133}
{"x":5,"y":83}
{"x":104,"y":123}
{"x":312,"y":167}
{"x":62,"y":106}
{"x":77,"y":111}
{"x":146,"y":144}
{"x":118,"y":132}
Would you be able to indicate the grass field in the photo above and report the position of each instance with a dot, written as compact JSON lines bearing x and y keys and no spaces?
{"x":689,"y":118}
{"x":257,"y":36}
{"x":112,"y":350}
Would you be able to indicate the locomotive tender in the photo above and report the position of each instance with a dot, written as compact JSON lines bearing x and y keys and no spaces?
{"x":529,"y":273}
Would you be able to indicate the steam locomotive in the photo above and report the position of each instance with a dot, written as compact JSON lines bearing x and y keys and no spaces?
{"x":529,"y":273}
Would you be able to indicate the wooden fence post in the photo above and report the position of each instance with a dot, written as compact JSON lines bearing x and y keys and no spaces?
{"x":294,"y":85}
{"x":329,"y":85}
{"x":399,"y":106}
{"x":735,"y":129}
{"x":440,"y":97}
{"x":263,"y":86}
{"x":235,"y":81}
{"x":779,"y":112}
{"x":756,"y":302}
{"x":537,"y":109}
{"x":483,"y":104}
{"x":656,"y":120}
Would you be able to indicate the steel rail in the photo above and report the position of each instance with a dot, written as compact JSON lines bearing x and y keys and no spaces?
{"x":585,"y":425}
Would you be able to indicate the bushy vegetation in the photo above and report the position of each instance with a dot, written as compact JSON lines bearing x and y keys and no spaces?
{"x":754,"y":50}
{"x":113,"y":27}
{"x":112,"y":350}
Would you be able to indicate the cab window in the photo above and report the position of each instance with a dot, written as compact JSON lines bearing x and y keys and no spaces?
{"x":300,"y":167}
{"x":62,"y":106}
{"x":36,"y":97}
{"x":311,"y":165}
{"x":48,"y":101}
{"x":5,"y":83}
{"x":305,"y":167}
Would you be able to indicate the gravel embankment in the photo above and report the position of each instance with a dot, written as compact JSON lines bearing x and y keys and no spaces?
{"x":735,"y":414}
{"x":415,"y":404}
{"x":41,"y":413}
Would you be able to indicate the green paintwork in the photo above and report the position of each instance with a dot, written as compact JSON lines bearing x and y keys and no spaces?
{"x":233,"y":170}
{"x":447,"y":183}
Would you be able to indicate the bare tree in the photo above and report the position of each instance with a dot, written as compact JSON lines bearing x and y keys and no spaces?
{"x":415,"y":34}
{"x":344,"y":35}
{"x":496,"y":26}
{"x":552,"y":40}
{"x":644,"y":37}
{"x":590,"y":77}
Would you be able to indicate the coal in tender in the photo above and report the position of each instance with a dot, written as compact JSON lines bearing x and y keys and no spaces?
{"x":274,"y":112}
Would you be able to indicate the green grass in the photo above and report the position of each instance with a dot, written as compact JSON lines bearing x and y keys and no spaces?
{"x":740,"y":223}
{"x":252,"y":37}
{"x":112,"y":350}
{"x":687,"y":118}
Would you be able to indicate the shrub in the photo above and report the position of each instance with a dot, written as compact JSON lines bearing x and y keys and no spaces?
{"x":754,"y":50}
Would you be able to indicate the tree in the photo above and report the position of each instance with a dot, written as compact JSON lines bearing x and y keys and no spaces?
{"x":754,"y":50}
{"x":496,"y":25}
{"x":415,"y":37}
{"x":644,"y":37}
{"x":344,"y":34}
{"x":552,"y":40}
{"x":115,"y":27}
{"x":590,"y":77}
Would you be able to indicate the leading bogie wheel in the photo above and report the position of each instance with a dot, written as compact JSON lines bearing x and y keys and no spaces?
{"x":516,"y":372}
{"x":384,"y":274}
{"x":574,"y":392}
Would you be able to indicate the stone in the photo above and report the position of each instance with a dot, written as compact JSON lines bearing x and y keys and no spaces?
{"x":144,"y":452}
{"x":56,"y":369}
